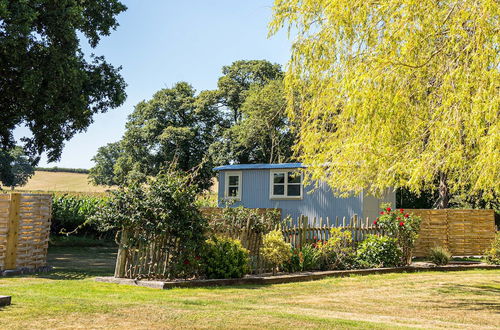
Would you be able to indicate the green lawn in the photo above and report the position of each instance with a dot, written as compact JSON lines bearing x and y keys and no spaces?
{"x":69,"y":298}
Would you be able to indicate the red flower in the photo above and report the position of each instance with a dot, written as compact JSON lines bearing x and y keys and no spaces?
{"x":375,"y":222}
{"x":186,"y":262}
{"x":382,"y":212}
{"x":401,"y":210}
{"x":197,"y":258}
{"x":388,"y":209}
{"x":407,"y":215}
{"x":399,"y":218}
{"x":401,"y":223}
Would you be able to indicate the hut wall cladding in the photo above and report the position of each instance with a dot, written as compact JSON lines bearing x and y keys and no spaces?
{"x":24,"y":230}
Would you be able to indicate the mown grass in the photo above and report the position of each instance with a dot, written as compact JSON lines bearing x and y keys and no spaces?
{"x":69,"y":298}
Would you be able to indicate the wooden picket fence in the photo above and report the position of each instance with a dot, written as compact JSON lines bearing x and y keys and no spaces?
{"x":303,"y":231}
{"x":24,"y":230}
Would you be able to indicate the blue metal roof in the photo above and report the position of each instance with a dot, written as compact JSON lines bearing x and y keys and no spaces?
{"x":258,"y":166}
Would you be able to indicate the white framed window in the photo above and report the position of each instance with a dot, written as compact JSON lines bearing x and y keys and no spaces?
{"x":285,"y":184}
{"x":232,"y":185}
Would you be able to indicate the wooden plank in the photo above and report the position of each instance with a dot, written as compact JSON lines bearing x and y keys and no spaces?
{"x":12,"y":235}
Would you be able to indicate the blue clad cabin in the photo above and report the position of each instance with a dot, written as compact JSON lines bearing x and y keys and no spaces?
{"x":280,"y":186}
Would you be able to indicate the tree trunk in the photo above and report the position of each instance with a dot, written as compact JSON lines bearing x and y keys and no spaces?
{"x":444,"y":192}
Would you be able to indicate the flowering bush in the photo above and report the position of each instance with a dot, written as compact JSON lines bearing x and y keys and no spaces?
{"x":492,"y":255}
{"x":224,"y":257}
{"x":337,"y":251}
{"x":402,"y":226}
{"x":275,"y":250}
{"x":378,"y":251}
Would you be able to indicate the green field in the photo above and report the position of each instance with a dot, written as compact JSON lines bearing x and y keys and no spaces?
{"x":60,"y":181}
{"x":69,"y":298}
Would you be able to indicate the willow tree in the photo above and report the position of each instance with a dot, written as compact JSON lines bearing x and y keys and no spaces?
{"x":396,"y":93}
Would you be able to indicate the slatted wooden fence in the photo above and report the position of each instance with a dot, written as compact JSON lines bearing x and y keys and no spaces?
{"x":304,"y":230}
{"x":24,"y":230}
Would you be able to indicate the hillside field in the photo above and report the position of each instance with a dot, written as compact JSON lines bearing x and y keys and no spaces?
{"x":60,"y":181}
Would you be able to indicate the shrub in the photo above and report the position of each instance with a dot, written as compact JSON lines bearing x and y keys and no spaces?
{"x":224,"y":258}
{"x":275,"y":250}
{"x":337,"y":252}
{"x":162,"y":212}
{"x":303,"y":259}
{"x":378,"y":251}
{"x":492,"y":255}
{"x":403,"y":227}
{"x":70,"y":214}
{"x":439,"y":255}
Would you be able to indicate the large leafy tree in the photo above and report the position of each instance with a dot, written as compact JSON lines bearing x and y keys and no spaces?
{"x":238,"y":78}
{"x":15,"y":167}
{"x":238,"y":81}
{"x":170,"y":128}
{"x":105,"y":159}
{"x":264,"y":134}
{"x":46,"y":81}
{"x":396,"y":93}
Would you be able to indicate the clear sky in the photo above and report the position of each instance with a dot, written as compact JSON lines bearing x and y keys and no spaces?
{"x":161,"y":42}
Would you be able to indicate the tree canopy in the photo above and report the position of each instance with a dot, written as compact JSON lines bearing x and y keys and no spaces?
{"x":243,"y":121}
{"x":15,"y":167}
{"x":47,"y":83}
{"x":396,"y":93}
{"x":171,"y":127}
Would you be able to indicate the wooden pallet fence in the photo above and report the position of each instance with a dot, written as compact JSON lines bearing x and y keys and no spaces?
{"x":24,"y":230}
{"x":462,"y":232}
{"x":303,"y":231}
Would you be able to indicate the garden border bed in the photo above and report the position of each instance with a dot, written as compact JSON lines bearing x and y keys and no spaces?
{"x":288,"y":278}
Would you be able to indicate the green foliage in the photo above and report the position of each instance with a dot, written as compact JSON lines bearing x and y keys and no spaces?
{"x":47,"y":83}
{"x":439,"y":255}
{"x":163,"y":210}
{"x":492,"y":255}
{"x":275,"y":250}
{"x":224,"y":257}
{"x":72,"y":214}
{"x":239,"y":217}
{"x":337,"y":252}
{"x":81,"y":241}
{"x":251,"y":96}
{"x":62,"y":169}
{"x":303,"y":258}
{"x":263,"y":135}
{"x":103,"y":171}
{"x":402,"y":226}
{"x":15,"y":167}
{"x":378,"y":251}
{"x":170,"y":128}
{"x":395,"y":94}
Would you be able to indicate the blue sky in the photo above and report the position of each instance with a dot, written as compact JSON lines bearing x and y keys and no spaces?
{"x":161,"y":42}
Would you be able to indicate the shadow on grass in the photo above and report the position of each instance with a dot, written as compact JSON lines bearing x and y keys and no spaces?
{"x":475,"y":297}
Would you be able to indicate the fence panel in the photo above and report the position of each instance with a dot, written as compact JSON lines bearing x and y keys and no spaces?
{"x":24,"y":230}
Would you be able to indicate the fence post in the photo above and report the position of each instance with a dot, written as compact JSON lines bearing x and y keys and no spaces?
{"x":121,"y":258}
{"x":12,"y":231}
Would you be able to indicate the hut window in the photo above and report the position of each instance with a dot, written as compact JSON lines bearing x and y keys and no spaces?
{"x":286,"y":185}
{"x":233,"y":185}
